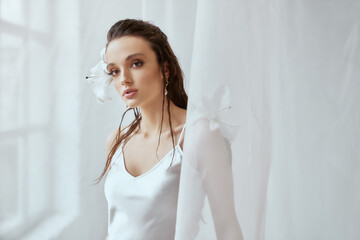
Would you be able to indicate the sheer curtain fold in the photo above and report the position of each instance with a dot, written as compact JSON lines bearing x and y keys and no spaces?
{"x":226,"y":96}
{"x":315,"y":122}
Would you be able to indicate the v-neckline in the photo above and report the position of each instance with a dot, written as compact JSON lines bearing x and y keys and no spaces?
{"x":176,"y":147}
{"x":152,"y":168}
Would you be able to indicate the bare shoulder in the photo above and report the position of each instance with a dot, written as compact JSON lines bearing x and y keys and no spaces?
{"x":180,"y":115}
{"x":183,"y":114}
{"x":111,"y":140}
{"x":182,"y":118}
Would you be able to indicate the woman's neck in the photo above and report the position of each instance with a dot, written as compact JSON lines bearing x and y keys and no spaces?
{"x":151,"y":118}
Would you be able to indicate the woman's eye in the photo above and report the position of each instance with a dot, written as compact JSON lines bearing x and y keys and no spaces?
{"x":137,"y":64}
{"x":113,"y":72}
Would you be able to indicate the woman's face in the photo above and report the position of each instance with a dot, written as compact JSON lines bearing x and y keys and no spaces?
{"x":136,"y":73}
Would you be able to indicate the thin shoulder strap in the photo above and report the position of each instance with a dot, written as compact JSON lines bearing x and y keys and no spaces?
{"x":181,"y":134}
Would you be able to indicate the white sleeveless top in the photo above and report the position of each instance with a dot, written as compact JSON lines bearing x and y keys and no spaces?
{"x":143,"y":207}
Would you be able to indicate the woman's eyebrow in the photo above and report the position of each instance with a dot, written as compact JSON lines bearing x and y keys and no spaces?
{"x":131,"y":56}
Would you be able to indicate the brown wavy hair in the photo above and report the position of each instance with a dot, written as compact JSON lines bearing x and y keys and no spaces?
{"x":176,"y":92}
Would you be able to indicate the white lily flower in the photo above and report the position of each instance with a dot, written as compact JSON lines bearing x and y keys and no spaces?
{"x":100,"y":79}
{"x":212,"y":108}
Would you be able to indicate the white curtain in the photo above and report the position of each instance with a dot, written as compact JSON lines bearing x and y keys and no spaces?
{"x":314,"y":181}
{"x":293,"y":73}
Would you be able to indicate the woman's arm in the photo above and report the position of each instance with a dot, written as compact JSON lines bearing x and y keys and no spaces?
{"x":214,"y":165}
{"x":219,"y":187}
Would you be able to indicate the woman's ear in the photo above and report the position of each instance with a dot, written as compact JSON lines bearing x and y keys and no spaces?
{"x":166,"y":69}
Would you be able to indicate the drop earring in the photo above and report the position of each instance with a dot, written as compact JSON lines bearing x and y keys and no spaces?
{"x":166,"y":84}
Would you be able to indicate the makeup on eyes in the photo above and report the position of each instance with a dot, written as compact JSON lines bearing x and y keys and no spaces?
{"x":139,"y":63}
{"x":128,"y":58}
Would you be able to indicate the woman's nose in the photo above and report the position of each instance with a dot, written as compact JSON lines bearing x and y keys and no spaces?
{"x":125,"y":78}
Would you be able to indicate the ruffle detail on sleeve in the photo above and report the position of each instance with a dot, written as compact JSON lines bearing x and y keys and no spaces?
{"x":212,"y":107}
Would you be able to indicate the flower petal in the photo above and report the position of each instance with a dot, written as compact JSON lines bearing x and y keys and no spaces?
{"x":99,"y":79}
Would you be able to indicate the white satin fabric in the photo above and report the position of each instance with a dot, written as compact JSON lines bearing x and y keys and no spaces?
{"x":143,"y":207}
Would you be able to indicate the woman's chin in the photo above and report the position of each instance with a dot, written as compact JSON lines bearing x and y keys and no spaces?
{"x":131,"y":105}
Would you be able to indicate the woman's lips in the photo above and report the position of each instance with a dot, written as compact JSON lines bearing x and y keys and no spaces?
{"x":129,"y":93}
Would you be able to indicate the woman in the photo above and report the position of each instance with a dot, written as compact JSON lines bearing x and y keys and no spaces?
{"x":144,"y":158}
